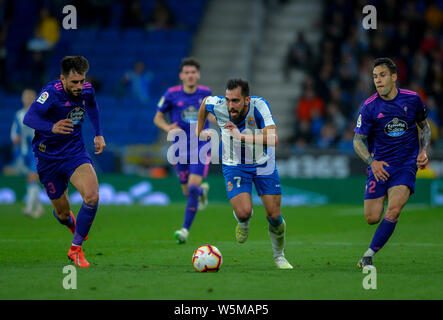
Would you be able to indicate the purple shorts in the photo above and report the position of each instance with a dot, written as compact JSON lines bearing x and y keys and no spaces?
{"x":184,"y":170}
{"x":397,"y":176}
{"x":55,"y":174}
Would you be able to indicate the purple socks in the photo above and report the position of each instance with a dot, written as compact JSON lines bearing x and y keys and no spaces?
{"x":68,"y":222}
{"x":85,"y":218}
{"x":382,"y":234}
{"x":194,"y":192}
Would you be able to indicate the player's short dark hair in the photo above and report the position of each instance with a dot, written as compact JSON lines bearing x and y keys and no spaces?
{"x":237,"y":82}
{"x":388,"y":63}
{"x":77,"y":64}
{"x":189,"y":62}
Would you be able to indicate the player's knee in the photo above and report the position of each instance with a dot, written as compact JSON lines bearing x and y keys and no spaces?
{"x":91,"y":197}
{"x":393,"y":212}
{"x":243,"y":212}
{"x":372,"y":218}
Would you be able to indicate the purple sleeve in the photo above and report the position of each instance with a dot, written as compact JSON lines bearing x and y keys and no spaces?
{"x":421,"y":112}
{"x":95,"y":117}
{"x":35,"y":117}
{"x":164,"y":105}
{"x":364,"y":121}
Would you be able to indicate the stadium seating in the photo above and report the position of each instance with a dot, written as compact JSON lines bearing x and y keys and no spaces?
{"x":112,"y":52}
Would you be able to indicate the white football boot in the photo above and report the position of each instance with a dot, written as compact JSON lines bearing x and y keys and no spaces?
{"x":181,"y":235}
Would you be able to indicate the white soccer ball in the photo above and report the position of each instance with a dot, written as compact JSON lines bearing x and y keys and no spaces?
{"x":207,"y":258}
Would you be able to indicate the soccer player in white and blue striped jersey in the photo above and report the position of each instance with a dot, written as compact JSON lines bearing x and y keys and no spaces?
{"x":26,"y":162}
{"x":249,"y":135}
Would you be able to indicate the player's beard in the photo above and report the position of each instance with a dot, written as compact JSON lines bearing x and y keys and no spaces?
{"x":239,"y":115}
{"x":75,"y":93}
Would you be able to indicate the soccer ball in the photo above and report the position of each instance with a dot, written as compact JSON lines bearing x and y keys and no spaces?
{"x":207,"y":258}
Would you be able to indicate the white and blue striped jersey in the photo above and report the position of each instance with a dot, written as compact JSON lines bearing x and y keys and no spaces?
{"x":26,"y":133}
{"x":236,"y":152}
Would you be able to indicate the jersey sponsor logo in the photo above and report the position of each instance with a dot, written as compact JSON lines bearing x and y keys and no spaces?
{"x":396,"y":127}
{"x":190,"y":114}
{"x":359,"y":121}
{"x":43,"y":97}
{"x":76,"y":115}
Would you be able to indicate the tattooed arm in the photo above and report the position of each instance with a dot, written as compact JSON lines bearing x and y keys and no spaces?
{"x":362,"y":150}
{"x":425,"y":141}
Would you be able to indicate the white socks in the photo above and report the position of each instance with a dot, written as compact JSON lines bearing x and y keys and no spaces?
{"x":32,"y":199}
{"x":277,"y":235}
{"x":369,"y":253}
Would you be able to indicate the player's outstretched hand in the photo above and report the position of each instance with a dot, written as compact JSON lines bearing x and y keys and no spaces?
{"x":233,"y":130}
{"x":379,"y":171}
{"x":422,"y":160}
{"x":64,"y":126}
{"x":99,"y":143}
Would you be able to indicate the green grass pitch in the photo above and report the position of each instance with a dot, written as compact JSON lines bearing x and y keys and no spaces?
{"x":133,"y":255}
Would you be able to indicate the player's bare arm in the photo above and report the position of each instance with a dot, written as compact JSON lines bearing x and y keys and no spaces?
{"x":201,"y":120}
{"x":212,"y":119}
{"x":362,"y":150}
{"x":268,"y":136}
{"x":159,"y":121}
{"x":425,"y":141}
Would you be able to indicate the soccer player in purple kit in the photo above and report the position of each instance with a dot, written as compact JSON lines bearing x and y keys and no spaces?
{"x":388,"y":121}
{"x":182,"y":102}
{"x":57,"y":116}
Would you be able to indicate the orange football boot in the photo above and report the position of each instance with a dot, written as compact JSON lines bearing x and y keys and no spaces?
{"x":77,"y":255}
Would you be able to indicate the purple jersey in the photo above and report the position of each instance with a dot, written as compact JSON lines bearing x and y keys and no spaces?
{"x":183,"y":108}
{"x":391,"y":127}
{"x":53,"y":105}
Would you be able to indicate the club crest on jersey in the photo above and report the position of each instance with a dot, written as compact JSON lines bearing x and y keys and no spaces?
{"x":251,"y":122}
{"x":43,"y":97}
{"x":190,"y":114}
{"x":405,"y":108}
{"x":396,"y":127}
{"x":76,"y":115}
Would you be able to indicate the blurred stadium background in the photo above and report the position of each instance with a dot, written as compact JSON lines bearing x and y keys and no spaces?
{"x":310,"y":59}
